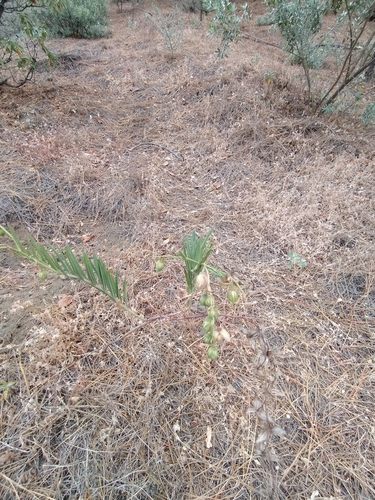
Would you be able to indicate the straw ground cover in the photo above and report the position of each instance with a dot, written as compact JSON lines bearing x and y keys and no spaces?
{"x":119,"y":151}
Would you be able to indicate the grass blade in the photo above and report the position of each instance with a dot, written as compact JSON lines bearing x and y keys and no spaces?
{"x":20,"y":248}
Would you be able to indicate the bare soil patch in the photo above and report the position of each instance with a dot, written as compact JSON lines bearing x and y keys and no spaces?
{"x":123,"y":142}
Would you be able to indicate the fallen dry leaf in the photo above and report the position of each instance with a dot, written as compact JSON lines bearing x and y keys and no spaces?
{"x":65,"y":300}
{"x":87,"y":237}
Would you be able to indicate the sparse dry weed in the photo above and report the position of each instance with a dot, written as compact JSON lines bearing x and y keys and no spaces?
{"x":106,"y":409}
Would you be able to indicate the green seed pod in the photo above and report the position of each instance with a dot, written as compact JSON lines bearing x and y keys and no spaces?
{"x":207,"y":338}
{"x":212,"y":353}
{"x":159,"y":266}
{"x":206,"y":300}
{"x":208,"y":325}
{"x":232,"y":296}
{"x":42,"y":275}
{"x":213,"y":313}
{"x":2,"y":232}
{"x":224,"y":335}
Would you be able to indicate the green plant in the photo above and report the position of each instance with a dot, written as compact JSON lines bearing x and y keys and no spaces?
{"x":227,"y":23}
{"x":76,"y":18}
{"x":194,"y":254}
{"x":21,"y":39}
{"x":269,"y":76}
{"x":170,"y":26}
{"x":296,"y":260}
{"x":368,"y":116}
{"x":300,"y":24}
{"x":4,"y":389}
{"x":336,"y":5}
{"x":299,"y":21}
{"x":91,"y":271}
{"x":94,"y":273}
{"x":132,"y":24}
{"x":265,"y":19}
{"x":357,"y":55}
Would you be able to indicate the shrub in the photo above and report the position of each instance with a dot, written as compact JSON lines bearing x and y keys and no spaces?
{"x":170,"y":26}
{"x":300,"y":24}
{"x":202,"y":6}
{"x":20,"y":39}
{"x":265,"y":19}
{"x":76,"y":18}
{"x":368,"y":116}
{"x":227,"y":23}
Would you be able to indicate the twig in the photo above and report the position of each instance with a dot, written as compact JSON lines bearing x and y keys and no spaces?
{"x":159,"y":146}
{"x":258,"y":40}
{"x":146,"y":322}
{"x":10,"y":347}
{"x":17,"y":485}
{"x":170,"y":316}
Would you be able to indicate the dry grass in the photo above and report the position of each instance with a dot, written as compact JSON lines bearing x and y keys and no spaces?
{"x":106,"y":408}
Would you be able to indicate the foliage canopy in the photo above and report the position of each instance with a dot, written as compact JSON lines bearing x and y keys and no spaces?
{"x":21,"y":40}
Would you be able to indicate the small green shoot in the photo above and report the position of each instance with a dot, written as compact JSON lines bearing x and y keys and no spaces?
{"x":170,"y":26}
{"x":296,"y":260}
{"x":195,"y":253}
{"x":4,"y":388}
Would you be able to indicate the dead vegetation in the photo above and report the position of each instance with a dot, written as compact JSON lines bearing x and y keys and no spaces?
{"x":106,"y":408}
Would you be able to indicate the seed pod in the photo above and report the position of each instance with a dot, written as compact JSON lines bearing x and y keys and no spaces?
{"x":217,"y":336}
{"x":206,"y":300}
{"x":201,"y":281}
{"x":159,"y":266}
{"x":224,"y":335}
{"x":213,"y":313}
{"x":232,"y":295}
{"x":208,"y":325}
{"x":212,"y":353}
{"x":207,"y":338}
{"x":2,"y":231}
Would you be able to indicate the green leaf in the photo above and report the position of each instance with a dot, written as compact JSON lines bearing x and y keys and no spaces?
{"x":76,"y":268}
{"x":46,"y":257}
{"x":17,"y":242}
{"x":89,"y":269}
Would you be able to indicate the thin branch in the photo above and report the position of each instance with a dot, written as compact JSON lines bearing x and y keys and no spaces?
{"x":172,"y":316}
{"x":157,"y":145}
{"x":32,"y":493}
{"x":258,"y":40}
{"x":327,"y":98}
